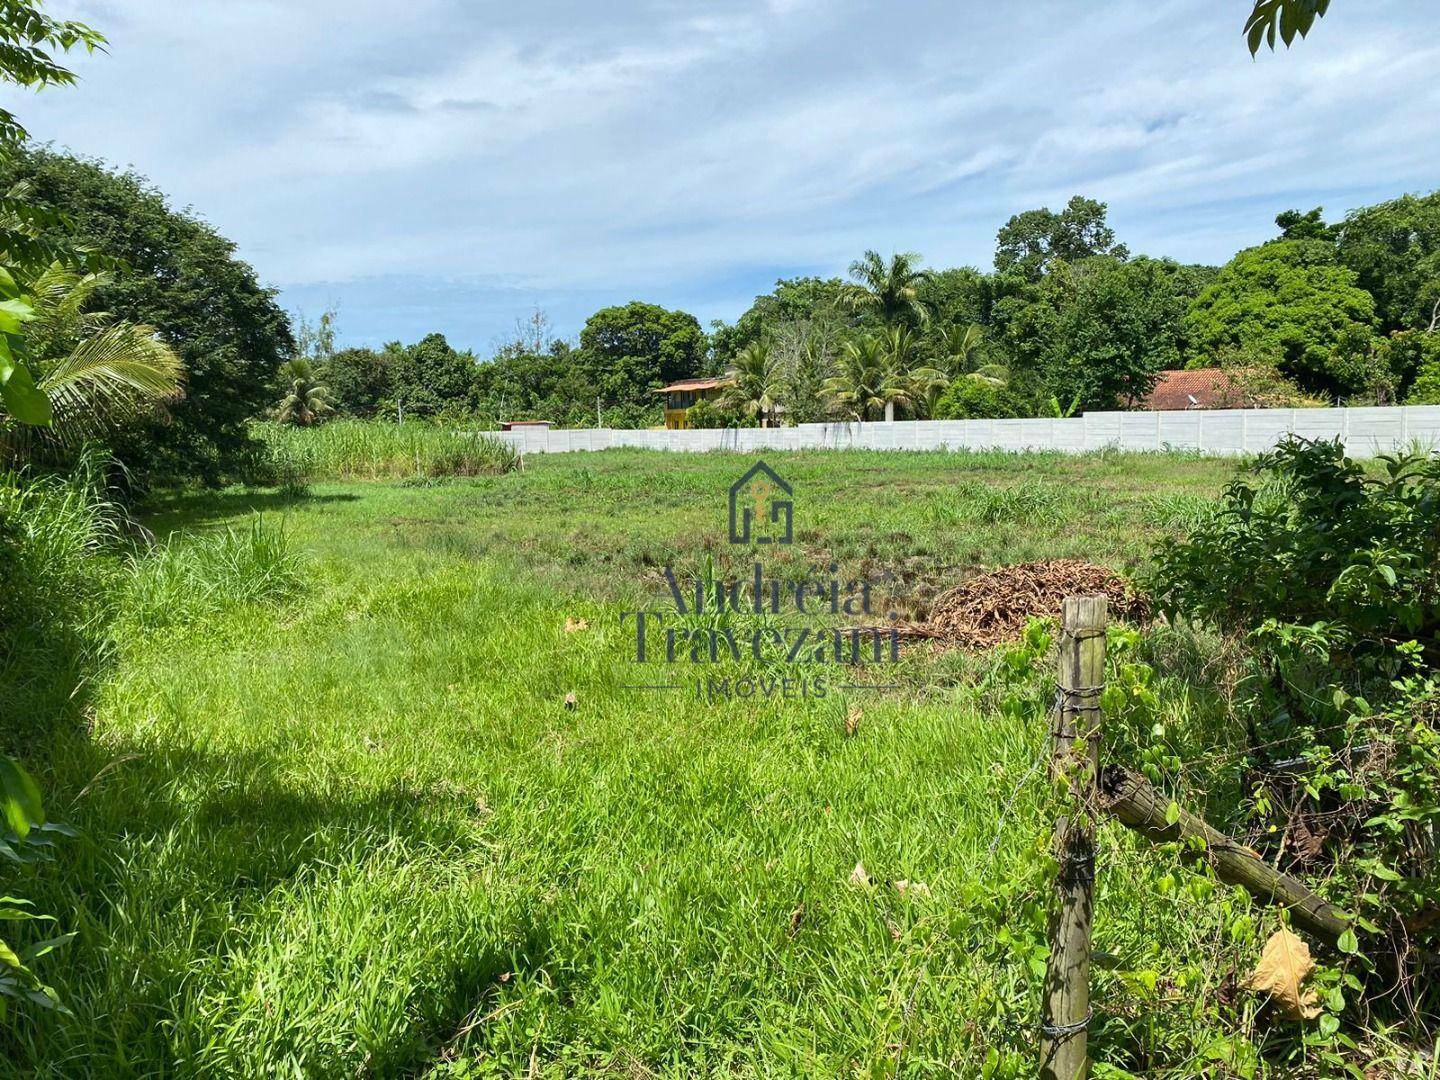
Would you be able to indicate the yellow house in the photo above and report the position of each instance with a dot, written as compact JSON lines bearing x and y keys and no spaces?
{"x":681,"y":396}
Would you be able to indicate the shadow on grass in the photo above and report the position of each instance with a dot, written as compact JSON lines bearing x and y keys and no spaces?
{"x":182,"y":852}
{"x":166,"y":514}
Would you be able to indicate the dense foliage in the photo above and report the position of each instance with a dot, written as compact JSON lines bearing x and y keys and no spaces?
{"x":1329,"y":575}
{"x":178,"y":275}
{"x":1289,"y":304}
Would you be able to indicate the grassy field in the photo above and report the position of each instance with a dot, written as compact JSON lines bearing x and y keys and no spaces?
{"x":360,"y":832}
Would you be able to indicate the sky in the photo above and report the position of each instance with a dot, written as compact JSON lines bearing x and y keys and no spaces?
{"x":453,"y":166}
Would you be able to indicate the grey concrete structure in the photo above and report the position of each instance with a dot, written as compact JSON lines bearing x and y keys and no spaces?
{"x":1366,"y":433}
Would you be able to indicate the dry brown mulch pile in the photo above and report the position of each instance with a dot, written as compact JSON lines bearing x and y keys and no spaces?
{"x":994,"y":607}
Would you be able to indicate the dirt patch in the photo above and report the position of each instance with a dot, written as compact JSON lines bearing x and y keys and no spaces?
{"x":994,"y":607}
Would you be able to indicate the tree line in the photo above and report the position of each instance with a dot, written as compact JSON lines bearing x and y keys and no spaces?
{"x":1066,"y":320}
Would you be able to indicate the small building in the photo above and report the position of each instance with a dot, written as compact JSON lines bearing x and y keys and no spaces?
{"x":1193,"y":388}
{"x":682,"y":396}
{"x":511,"y":425}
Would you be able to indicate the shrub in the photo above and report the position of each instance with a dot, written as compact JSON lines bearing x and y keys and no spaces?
{"x":1329,"y":543}
{"x":708,"y":414}
{"x":973,"y":399}
{"x":1330,"y":574}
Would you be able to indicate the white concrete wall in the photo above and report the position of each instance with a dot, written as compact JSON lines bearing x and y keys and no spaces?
{"x":1366,"y":432}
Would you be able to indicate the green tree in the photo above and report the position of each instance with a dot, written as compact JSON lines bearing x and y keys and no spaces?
{"x":29,"y":40}
{"x":629,"y":350}
{"x":1413,"y":356}
{"x":888,"y":292}
{"x":957,"y":349}
{"x":181,"y":277}
{"x":1310,"y":225}
{"x":359,"y":380}
{"x":430,"y":377}
{"x":1394,"y":250}
{"x":923,"y":382}
{"x":866,"y":384}
{"x":1290,"y":304}
{"x":305,"y":400}
{"x":1031,"y":242}
{"x":1099,"y":331}
{"x":759,"y":384}
{"x":538,"y":379}
{"x":817,"y":303}
{"x":808,"y":359}
{"x":968,"y":398}
{"x":957,"y":297}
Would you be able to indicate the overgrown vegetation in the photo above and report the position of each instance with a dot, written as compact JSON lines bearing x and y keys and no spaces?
{"x":1325,"y":572}
{"x":371,"y":450}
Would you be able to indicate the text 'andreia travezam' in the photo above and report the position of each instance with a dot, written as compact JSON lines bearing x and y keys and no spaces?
{"x":684,"y":635}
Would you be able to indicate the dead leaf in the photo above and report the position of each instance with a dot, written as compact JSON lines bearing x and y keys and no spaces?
{"x":572,"y":625}
{"x":858,"y":877}
{"x":852,"y":721}
{"x":912,"y":888}
{"x":1284,"y":965}
{"x":570,"y":700}
{"x":796,"y":918}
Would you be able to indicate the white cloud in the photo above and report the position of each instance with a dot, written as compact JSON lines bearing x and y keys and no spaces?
{"x":690,"y":151}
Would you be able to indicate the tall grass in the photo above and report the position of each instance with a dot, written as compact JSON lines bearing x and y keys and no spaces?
{"x":989,"y":504}
{"x":186,"y":579}
{"x":373,"y":449}
{"x":55,"y":592}
{"x":74,"y":584}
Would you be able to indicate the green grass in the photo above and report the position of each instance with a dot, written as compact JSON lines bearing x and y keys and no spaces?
{"x":348,"y":826}
{"x":360,"y":449}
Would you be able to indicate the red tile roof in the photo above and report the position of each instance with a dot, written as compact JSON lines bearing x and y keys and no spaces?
{"x":1192,"y":388}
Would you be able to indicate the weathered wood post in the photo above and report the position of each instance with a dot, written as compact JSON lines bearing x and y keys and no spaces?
{"x":1075,"y":762}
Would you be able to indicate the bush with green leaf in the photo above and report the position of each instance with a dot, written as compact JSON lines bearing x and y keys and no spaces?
{"x":1329,"y":574}
{"x":969,"y":398}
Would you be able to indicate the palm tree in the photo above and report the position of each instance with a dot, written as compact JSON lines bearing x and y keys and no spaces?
{"x":924,"y":383}
{"x":807,"y":362}
{"x":868,"y":383}
{"x":890,"y":290}
{"x":956,"y":349}
{"x":98,"y":372}
{"x":759,"y":383}
{"x":958,"y":353}
{"x":306,"y":399}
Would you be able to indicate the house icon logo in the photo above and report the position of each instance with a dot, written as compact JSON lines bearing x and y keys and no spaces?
{"x":761,"y":510}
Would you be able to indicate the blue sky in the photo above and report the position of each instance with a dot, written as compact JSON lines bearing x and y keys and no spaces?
{"x":441,"y":165}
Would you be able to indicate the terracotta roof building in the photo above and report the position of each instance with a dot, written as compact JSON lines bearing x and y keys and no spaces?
{"x":681,"y":396}
{"x":1192,"y":388}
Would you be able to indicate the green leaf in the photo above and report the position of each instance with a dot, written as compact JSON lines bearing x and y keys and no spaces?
{"x":1329,"y":1024}
{"x":1348,"y":943}
{"x":9,"y":958}
{"x":1172,"y":813}
{"x":21,"y":397}
{"x":49,"y":945}
{"x":19,"y":798}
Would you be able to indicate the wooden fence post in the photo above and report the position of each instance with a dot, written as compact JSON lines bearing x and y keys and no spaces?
{"x":1075,"y":757}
